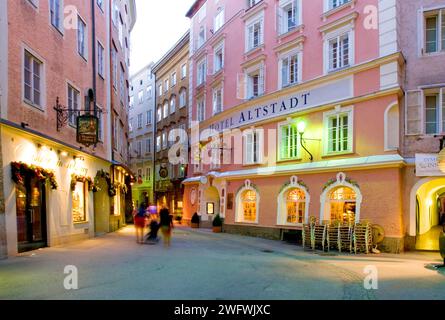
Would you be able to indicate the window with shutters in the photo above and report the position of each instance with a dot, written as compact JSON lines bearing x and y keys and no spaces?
{"x":218,"y":63}
{"x":425,"y":111}
{"x":255,"y":33}
{"x":253,"y":146}
{"x":201,"y":109}
{"x":289,"y":66}
{"x":255,"y":82}
{"x":289,"y":141}
{"x":288,"y":15}
{"x":338,"y":131}
{"x":217,"y":100}
{"x":434,"y":31}
{"x":202,"y":69}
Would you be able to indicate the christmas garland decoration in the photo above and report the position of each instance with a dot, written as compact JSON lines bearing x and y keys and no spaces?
{"x":300,"y":183}
{"x":75,"y":178}
{"x":332,"y":181}
{"x":20,"y":170}
{"x":111,"y":186}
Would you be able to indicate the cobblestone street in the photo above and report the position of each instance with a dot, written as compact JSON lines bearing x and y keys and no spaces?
{"x":202,"y":265}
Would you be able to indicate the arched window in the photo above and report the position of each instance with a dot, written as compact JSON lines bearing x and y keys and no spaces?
{"x":247,"y":204}
{"x":293,"y":203}
{"x":295,"y":206}
{"x":172,"y":105}
{"x":343,"y":202}
{"x":249,"y":200}
{"x":392,"y":127}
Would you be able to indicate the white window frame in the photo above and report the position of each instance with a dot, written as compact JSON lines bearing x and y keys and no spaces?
{"x":172,"y":104}
{"x":166,"y":108}
{"x":84,"y":52}
{"x":42,"y":76}
{"x":201,"y":73}
{"x":258,"y":147}
{"x":338,"y":111}
{"x":72,"y":115}
{"x":336,"y":34}
{"x":164,"y":140}
{"x":174,"y":79}
{"x":215,"y":102}
{"x":159,"y":114}
{"x":218,"y":48}
{"x":184,"y":71}
{"x":328,"y":5}
{"x":182,"y":98}
{"x":281,"y":126}
{"x":440,"y":109}
{"x":250,"y":40}
{"x":299,"y":74}
{"x":283,"y":26}
{"x":440,"y":38}
{"x":219,"y":19}
{"x":201,"y":109}
{"x":100,"y":60}
{"x":60,"y":13}
{"x":259,"y":70}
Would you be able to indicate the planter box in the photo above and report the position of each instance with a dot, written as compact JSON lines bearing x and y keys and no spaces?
{"x":217,"y":229}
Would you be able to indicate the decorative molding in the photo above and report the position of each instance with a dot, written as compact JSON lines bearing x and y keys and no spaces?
{"x":251,"y":12}
{"x":331,"y":12}
{"x":348,"y":19}
{"x":289,"y":45}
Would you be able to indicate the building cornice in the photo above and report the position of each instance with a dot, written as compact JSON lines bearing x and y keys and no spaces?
{"x":316,"y":82}
{"x":350,"y":164}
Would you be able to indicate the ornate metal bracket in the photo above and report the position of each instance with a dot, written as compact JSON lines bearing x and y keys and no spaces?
{"x":62,"y":115}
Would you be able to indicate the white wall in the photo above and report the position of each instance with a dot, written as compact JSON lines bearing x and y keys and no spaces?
{"x":60,"y":227}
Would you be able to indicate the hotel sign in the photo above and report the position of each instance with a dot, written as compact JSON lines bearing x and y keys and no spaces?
{"x":427,"y":165}
{"x":298,"y":101}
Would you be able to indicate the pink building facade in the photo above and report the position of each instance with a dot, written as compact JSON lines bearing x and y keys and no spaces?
{"x":296,"y":113}
{"x":60,"y":51}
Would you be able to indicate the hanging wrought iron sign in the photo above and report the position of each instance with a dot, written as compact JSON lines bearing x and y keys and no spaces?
{"x":87,"y":130}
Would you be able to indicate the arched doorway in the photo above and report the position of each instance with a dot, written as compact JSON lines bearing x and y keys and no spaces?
{"x":293,"y":204}
{"x":341,"y":201}
{"x":427,"y":207}
{"x":211,"y":203}
{"x":247,"y":204}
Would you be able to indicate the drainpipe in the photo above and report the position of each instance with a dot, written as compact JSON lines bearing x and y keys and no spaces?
{"x":93,"y":29}
{"x":155,"y":140}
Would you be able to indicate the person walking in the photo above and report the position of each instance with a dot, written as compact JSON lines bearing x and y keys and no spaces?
{"x":166,"y":225}
{"x":139,"y":223}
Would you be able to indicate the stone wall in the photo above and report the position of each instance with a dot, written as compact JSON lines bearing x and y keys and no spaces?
{"x":253,"y":231}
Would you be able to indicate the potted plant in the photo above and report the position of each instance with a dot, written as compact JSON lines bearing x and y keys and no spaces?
{"x":217,"y":224}
{"x":195,"y":221}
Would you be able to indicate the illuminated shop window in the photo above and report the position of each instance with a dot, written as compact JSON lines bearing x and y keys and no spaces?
{"x":79,"y":203}
{"x":343,"y":201}
{"x":296,"y":206}
{"x":249,"y":203}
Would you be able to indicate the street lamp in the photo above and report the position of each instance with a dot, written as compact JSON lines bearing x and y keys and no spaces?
{"x":301,"y":127}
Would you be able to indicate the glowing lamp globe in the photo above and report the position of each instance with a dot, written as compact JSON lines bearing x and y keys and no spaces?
{"x":301,"y":127}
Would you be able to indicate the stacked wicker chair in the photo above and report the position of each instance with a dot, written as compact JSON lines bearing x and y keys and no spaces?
{"x":332,"y":235}
{"x":345,"y":232}
{"x":308,"y":234}
{"x":362,"y":237}
{"x":319,"y":235}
